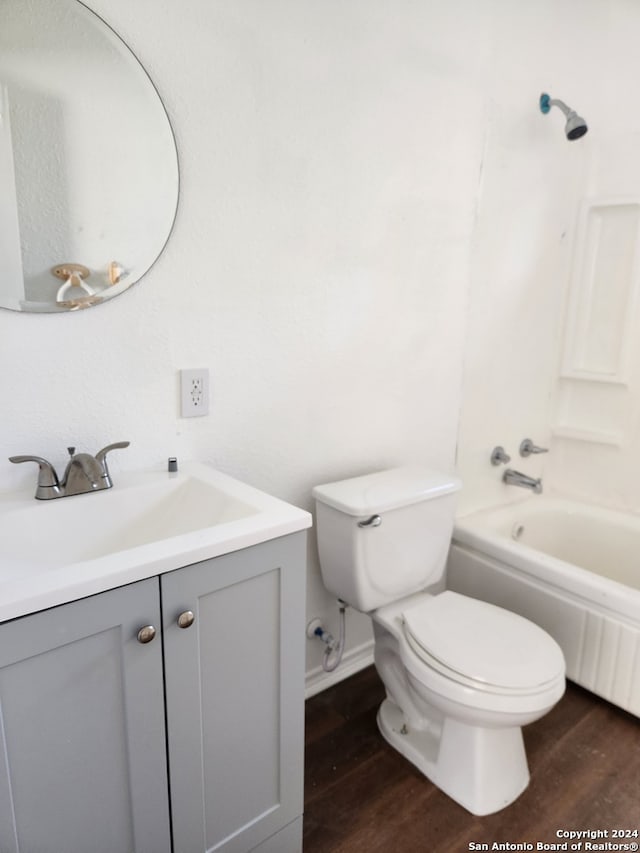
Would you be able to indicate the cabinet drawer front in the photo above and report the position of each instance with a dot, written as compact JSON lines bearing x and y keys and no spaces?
{"x":82,"y":763}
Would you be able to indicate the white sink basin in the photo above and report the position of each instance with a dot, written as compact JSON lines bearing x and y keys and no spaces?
{"x":149,"y":523}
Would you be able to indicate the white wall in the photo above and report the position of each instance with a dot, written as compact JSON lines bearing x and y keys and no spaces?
{"x":323,"y":264}
{"x":533,"y":180}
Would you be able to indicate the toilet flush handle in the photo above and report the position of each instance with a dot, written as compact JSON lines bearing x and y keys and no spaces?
{"x":374,"y":521}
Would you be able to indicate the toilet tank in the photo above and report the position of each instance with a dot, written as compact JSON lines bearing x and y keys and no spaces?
{"x":367,"y":562}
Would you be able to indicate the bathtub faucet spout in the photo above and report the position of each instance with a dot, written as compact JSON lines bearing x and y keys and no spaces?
{"x":515,"y":478}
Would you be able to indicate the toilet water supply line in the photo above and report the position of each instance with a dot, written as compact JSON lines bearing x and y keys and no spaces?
{"x":334,"y":648}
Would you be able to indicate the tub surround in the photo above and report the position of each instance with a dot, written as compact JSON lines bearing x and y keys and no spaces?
{"x":569,"y":567}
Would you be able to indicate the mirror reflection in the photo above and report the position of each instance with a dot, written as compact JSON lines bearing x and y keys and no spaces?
{"x":88,"y":163}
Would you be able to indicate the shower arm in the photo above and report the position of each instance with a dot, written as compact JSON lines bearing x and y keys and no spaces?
{"x":556,"y":102}
{"x":546,"y":102}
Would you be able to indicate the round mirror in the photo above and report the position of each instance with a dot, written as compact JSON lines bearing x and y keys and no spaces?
{"x":88,"y":162}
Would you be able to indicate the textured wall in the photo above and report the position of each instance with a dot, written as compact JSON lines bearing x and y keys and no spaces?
{"x":330,"y":155}
{"x":532,"y":183}
{"x":333,"y":156}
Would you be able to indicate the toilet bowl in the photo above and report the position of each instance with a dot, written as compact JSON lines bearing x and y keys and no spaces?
{"x":455,"y":708}
{"x":461,"y":675}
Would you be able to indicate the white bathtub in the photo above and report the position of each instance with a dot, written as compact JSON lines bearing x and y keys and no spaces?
{"x":574,"y":569}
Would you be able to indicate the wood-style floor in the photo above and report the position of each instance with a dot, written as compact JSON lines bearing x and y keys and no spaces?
{"x":363,"y":797}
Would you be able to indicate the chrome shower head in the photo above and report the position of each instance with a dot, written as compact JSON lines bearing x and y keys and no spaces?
{"x":575,"y":126}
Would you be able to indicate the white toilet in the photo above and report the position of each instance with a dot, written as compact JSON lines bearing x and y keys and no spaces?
{"x":461,"y":675}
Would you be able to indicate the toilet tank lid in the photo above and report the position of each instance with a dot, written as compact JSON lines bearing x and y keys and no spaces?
{"x":386,"y":490}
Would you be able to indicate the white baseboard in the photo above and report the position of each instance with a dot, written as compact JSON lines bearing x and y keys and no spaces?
{"x":353,"y":661}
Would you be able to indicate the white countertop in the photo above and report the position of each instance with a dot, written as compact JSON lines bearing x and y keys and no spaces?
{"x":56,"y":551}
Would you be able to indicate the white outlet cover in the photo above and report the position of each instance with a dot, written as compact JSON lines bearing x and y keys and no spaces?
{"x":194,"y":392}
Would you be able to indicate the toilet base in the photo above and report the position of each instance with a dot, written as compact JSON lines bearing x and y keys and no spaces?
{"x":482,"y":769}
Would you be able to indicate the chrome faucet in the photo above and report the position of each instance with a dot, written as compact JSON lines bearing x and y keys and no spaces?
{"x":84,"y":473}
{"x":516,"y":478}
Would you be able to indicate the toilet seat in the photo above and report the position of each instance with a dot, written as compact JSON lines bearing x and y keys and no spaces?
{"x":481,"y":646}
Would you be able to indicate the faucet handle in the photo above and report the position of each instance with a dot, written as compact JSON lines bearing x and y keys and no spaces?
{"x":499,"y":456}
{"x":118,"y":445}
{"x":101,"y":457}
{"x":48,"y":483}
{"x":527,"y":447}
{"x":46,"y":475}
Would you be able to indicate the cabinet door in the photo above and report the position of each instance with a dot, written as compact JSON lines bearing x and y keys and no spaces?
{"x":82,"y":739}
{"x":235,"y":697}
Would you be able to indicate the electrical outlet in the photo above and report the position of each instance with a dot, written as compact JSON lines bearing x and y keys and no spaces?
{"x":194,"y":392}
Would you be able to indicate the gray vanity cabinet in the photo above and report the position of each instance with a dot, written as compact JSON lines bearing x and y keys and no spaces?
{"x":82,"y":739}
{"x":83,"y":706}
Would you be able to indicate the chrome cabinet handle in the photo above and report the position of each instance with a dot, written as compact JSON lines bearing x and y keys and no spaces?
{"x":374,"y":521}
{"x":146,"y":634}
{"x":186,"y":619}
